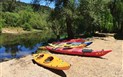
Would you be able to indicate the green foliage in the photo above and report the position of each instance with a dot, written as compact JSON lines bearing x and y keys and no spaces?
{"x":70,"y":17}
{"x":1,"y":23}
{"x":24,"y":17}
{"x":95,"y":18}
{"x":27,"y":27}
{"x":10,"y":18}
{"x":9,"y":5}
{"x":38,"y":21}
{"x":116,"y":8}
{"x":0,"y":28}
{"x":56,"y":24}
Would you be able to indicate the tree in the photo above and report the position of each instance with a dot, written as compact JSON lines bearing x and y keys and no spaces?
{"x":96,"y":18}
{"x":56,"y":24}
{"x":116,"y":8}
{"x":64,"y":8}
{"x":9,"y":5}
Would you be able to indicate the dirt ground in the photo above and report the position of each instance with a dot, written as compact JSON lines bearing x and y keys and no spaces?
{"x":110,"y":65}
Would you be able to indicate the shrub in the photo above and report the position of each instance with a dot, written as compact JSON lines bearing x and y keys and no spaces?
{"x":10,"y":18}
{"x":1,"y":25}
{"x":0,"y":28}
{"x":27,"y":27}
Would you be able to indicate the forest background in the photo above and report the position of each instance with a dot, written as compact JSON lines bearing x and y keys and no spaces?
{"x":68,"y":17}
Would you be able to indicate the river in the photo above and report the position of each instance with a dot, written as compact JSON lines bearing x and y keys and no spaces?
{"x":18,"y":45}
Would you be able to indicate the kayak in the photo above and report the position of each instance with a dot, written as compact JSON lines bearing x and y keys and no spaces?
{"x":51,"y":61}
{"x":71,"y":45}
{"x":79,"y":51}
{"x":70,"y":40}
{"x":78,"y":40}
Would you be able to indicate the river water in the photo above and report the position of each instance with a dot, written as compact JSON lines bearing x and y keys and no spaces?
{"x":16,"y":46}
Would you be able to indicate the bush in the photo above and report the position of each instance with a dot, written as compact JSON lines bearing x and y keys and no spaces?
{"x":1,"y":25}
{"x":10,"y":18}
{"x":38,"y":21}
{"x":0,"y":28}
{"x":27,"y":27}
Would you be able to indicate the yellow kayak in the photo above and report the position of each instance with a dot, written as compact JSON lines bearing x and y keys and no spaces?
{"x":51,"y":61}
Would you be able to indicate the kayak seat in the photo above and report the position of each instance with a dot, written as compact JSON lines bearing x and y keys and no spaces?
{"x":69,"y":43}
{"x":87,"y":50}
{"x":40,"y":56}
{"x":66,"y":48}
{"x":49,"y":59}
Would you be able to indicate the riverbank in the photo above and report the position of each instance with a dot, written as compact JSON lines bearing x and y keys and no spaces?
{"x":17,"y":30}
{"x":110,"y":65}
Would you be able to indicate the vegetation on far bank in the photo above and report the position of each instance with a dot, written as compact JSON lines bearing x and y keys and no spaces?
{"x":69,"y":17}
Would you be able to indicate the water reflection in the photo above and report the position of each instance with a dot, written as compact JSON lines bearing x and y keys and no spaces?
{"x":15,"y":46}
{"x":17,"y":51}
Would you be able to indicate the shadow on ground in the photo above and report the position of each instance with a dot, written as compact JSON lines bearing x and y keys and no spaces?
{"x":118,"y":36}
{"x":58,"y":72}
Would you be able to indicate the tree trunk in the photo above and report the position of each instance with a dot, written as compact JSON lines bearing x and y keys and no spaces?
{"x":69,"y":28}
{"x":58,"y":36}
{"x":120,"y":28}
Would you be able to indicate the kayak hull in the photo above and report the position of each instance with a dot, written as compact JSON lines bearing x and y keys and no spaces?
{"x":71,"y":45}
{"x":70,"y":40}
{"x":79,"y":51}
{"x":54,"y":63}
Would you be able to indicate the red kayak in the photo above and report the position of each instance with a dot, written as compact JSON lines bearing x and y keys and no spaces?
{"x":79,"y":51}
{"x":70,"y":40}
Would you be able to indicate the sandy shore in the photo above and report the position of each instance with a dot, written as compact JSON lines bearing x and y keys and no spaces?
{"x":110,"y":65}
{"x":13,"y":30}
{"x":17,"y":30}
